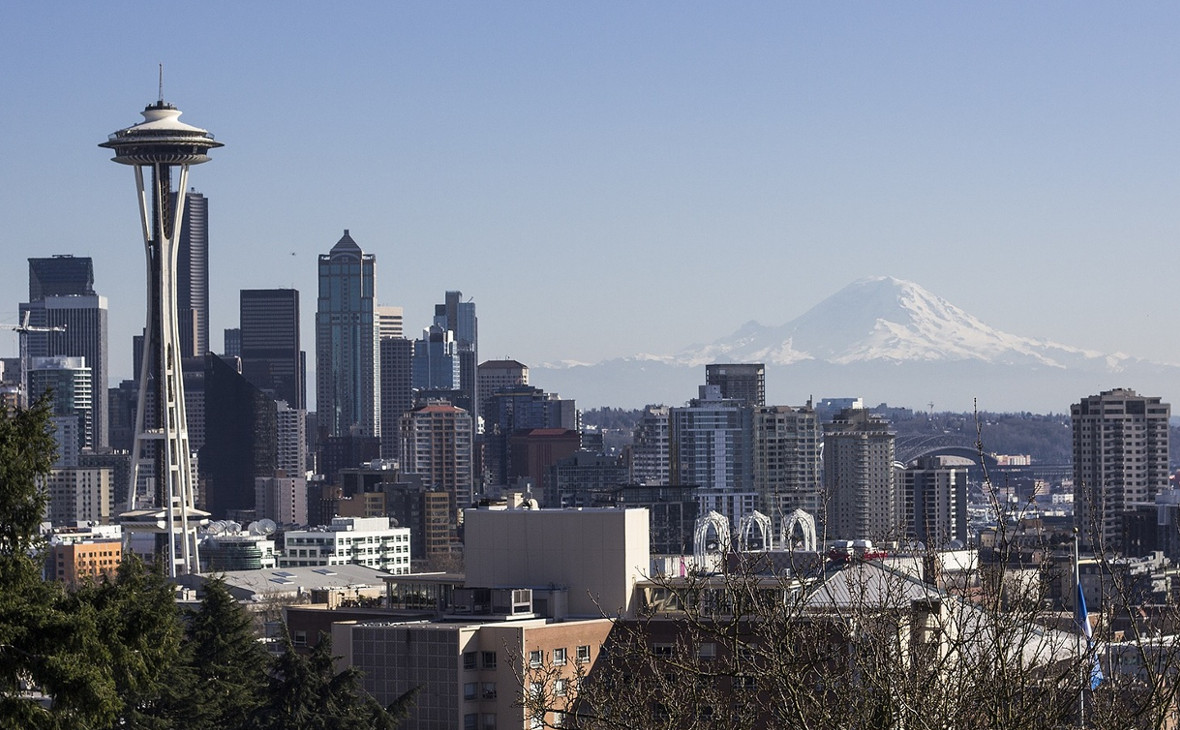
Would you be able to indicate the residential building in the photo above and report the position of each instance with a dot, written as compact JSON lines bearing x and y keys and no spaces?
{"x":70,"y":383}
{"x":74,"y":562}
{"x":437,"y":446}
{"x":347,"y":366}
{"x":1120,"y":461}
{"x":745,"y":382}
{"x":576,"y":478}
{"x":80,"y":494}
{"x":711,"y":446}
{"x":934,"y":500}
{"x":787,"y":466}
{"x":861,"y":491}
{"x":281,"y":498}
{"x":291,"y":439}
{"x":648,"y":456}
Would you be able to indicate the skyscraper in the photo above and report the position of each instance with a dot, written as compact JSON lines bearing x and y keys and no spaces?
{"x":269,"y":347}
{"x":934,"y":500}
{"x":437,"y":445}
{"x":1120,"y":460}
{"x":61,"y":295}
{"x":862,"y":502}
{"x":347,"y":363}
{"x":192,"y":277}
{"x":397,"y":392}
{"x":458,"y":316}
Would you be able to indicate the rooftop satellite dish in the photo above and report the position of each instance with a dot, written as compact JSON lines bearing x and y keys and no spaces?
{"x":263,"y":527}
{"x":232,"y":527}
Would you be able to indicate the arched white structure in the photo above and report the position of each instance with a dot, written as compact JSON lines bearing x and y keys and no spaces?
{"x":700,"y":543}
{"x":760,"y":522}
{"x":806,"y":522}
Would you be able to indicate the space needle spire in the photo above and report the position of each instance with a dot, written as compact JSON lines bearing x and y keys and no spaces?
{"x":160,"y":148}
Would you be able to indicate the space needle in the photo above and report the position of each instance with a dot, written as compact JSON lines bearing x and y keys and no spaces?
{"x":156,"y":148}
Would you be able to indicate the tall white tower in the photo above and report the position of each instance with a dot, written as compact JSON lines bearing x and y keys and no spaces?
{"x":160,"y":145}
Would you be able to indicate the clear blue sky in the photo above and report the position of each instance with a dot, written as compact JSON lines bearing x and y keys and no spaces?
{"x":606,"y":179}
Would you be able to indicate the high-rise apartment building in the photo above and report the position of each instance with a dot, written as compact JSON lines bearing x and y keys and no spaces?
{"x":192,"y":277}
{"x":1120,"y":460}
{"x":62,"y":297}
{"x":862,"y":501}
{"x":739,"y":381}
{"x":437,"y":445}
{"x":70,"y":383}
{"x":787,"y":465}
{"x":710,"y":445}
{"x":291,"y":435}
{"x":934,"y":500}
{"x":272,"y":358}
{"x":347,"y":363}
{"x":649,"y":448}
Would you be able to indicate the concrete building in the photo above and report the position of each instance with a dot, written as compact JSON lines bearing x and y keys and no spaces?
{"x":599,"y":554}
{"x":649,"y":454}
{"x":934,"y":500}
{"x":74,"y":562}
{"x":80,"y":494}
{"x":390,"y":322}
{"x":291,"y":438}
{"x":862,"y":499}
{"x":739,"y":381}
{"x":347,"y":366}
{"x":532,"y":455}
{"x":1120,"y":460}
{"x":437,"y":446}
{"x":494,"y":376}
{"x":368,"y":541}
{"x":788,"y":473}
{"x":578,"y":477}
{"x":281,"y":498}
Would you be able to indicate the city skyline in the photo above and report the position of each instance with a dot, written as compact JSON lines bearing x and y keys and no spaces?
{"x":763,"y":155}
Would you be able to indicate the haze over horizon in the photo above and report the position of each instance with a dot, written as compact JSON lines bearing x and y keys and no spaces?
{"x":612,"y":179}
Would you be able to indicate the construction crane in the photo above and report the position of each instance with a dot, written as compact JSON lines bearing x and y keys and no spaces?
{"x":22,"y":331}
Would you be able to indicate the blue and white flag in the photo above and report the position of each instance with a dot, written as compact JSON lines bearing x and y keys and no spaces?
{"x":1084,"y":621}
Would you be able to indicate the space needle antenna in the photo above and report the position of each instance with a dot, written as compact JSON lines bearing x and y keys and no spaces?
{"x":161,"y":97}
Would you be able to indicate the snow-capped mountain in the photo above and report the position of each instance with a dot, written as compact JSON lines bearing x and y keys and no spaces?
{"x":883,"y":319}
{"x":882,"y":338}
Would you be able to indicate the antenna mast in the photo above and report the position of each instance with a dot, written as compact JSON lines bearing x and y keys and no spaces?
{"x":161,"y":97}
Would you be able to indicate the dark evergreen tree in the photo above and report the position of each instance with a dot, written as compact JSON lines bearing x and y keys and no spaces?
{"x":306,"y":692}
{"x":53,"y":668}
{"x":140,"y":626}
{"x":228,"y":664}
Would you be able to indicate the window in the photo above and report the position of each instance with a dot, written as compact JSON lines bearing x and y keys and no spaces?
{"x":469,"y":690}
{"x":559,"y":657}
{"x":489,"y":722}
{"x":471,"y":722}
{"x":536,"y":691}
{"x":489,"y":660}
{"x":707,"y":651}
{"x":535,"y":658}
{"x":299,"y":638}
{"x":469,"y":660}
{"x":560,"y":687}
{"x":663,"y":651}
{"x":583,"y":653}
{"x":489,"y":691}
